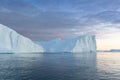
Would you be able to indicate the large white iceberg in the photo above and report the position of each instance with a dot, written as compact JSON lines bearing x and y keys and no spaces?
{"x":12,"y":42}
{"x":78,"y":44}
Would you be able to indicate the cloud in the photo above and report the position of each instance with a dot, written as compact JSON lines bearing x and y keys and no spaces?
{"x":68,"y":18}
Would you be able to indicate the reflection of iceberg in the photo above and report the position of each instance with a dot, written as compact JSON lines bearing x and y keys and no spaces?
{"x":78,"y":44}
{"x":86,"y":66}
{"x":67,"y":66}
{"x":11,"y":41}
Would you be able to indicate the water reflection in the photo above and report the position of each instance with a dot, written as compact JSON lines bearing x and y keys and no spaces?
{"x":108,"y":66}
{"x":53,"y":66}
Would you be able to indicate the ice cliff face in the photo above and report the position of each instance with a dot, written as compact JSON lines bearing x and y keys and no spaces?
{"x":78,"y":44}
{"x":11,"y":41}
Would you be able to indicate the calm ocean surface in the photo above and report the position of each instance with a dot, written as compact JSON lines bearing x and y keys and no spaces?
{"x":60,"y":66}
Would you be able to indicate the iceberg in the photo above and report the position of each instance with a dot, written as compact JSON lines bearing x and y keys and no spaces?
{"x":12,"y":42}
{"x":78,"y":44}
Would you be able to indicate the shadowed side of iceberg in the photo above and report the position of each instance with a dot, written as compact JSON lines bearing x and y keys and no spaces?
{"x":76,"y":45}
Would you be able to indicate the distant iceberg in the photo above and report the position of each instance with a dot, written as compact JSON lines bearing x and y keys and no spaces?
{"x":78,"y":44}
{"x":12,"y":42}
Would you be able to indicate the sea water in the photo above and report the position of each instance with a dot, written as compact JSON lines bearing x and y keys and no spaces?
{"x":60,"y":66}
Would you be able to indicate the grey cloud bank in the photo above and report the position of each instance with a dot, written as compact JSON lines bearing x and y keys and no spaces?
{"x":48,"y":19}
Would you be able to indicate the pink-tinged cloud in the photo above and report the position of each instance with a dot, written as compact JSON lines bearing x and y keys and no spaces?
{"x":57,"y":34}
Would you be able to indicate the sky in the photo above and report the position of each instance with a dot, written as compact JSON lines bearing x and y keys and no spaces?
{"x":42,"y":20}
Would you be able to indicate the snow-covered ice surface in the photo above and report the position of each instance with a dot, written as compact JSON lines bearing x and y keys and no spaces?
{"x":12,"y":42}
{"x":78,"y":44}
